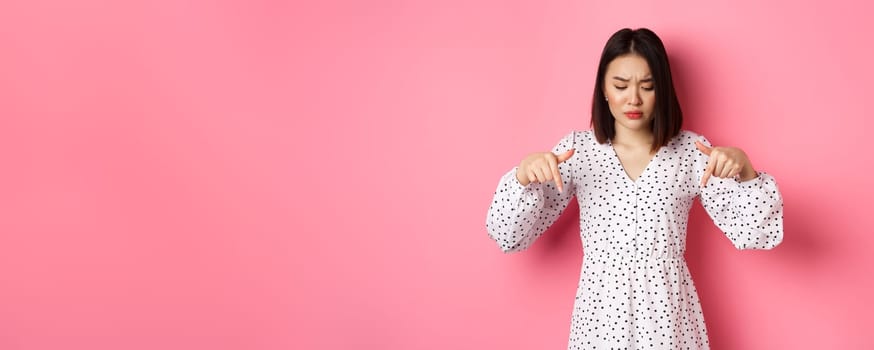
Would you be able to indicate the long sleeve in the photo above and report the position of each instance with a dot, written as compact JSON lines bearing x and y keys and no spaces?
{"x":750,"y":213}
{"x":518,"y":214}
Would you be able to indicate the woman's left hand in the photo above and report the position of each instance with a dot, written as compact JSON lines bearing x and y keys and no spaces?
{"x":726,"y":162}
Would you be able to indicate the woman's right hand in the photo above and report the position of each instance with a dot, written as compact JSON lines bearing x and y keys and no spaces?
{"x":540,"y":167}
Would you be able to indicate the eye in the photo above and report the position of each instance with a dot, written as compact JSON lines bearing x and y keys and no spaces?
{"x":620,"y":87}
{"x":649,"y":88}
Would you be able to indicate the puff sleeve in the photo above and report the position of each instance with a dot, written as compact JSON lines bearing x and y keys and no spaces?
{"x":518,"y":215}
{"x":749,"y":213}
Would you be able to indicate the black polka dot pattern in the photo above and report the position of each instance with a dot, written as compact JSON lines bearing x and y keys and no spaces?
{"x":635,"y":290}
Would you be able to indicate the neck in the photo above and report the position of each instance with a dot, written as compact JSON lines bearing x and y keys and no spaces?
{"x":630,"y":137}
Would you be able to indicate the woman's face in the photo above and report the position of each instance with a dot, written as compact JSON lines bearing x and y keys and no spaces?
{"x":630,"y":93}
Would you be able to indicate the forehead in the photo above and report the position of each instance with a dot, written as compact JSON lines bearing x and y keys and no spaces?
{"x":628,"y":66}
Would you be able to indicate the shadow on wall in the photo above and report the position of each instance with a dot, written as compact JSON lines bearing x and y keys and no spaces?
{"x":804,"y":245}
{"x":803,"y":250}
{"x":561,"y":243}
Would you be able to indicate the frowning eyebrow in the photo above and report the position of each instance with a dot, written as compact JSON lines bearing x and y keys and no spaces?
{"x":645,"y":80}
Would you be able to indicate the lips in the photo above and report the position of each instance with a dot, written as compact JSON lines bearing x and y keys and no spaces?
{"x":634,"y":115}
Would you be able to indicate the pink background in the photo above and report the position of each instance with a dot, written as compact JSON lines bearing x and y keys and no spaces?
{"x":266,"y":175}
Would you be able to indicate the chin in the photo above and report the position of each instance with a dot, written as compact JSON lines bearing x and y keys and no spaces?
{"x":636,"y":124}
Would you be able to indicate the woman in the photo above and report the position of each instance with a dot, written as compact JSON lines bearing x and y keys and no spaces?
{"x":635,"y":175}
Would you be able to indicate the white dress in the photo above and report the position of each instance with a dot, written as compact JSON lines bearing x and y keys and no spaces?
{"x":635,"y":290}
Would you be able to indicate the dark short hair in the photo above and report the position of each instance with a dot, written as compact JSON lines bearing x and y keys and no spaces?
{"x":667,"y":116}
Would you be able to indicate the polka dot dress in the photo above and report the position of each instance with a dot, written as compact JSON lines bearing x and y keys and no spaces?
{"x":635,"y":290}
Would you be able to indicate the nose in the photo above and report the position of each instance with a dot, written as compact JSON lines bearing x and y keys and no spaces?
{"x":635,"y":99}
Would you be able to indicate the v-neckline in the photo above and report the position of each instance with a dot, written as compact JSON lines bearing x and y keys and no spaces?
{"x":622,"y":167}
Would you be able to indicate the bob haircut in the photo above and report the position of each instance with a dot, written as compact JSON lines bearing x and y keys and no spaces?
{"x":667,"y":116}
